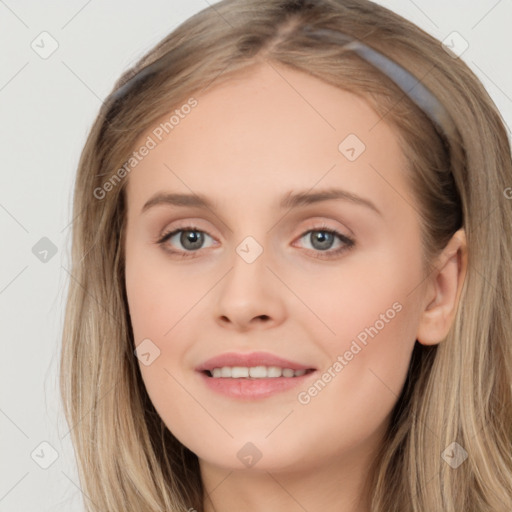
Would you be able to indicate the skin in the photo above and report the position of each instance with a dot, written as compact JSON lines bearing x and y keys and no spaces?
{"x":248,"y":143}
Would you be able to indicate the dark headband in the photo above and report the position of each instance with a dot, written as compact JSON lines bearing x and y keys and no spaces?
{"x":407,"y":82}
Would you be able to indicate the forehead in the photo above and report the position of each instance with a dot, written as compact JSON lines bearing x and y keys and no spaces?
{"x":266,"y":133}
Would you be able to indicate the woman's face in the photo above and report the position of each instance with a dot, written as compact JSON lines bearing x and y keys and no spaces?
{"x":257,"y":272}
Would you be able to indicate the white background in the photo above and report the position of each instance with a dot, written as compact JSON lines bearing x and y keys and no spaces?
{"x":47,"y":107}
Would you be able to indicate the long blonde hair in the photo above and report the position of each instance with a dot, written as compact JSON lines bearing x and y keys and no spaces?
{"x":458,"y":391}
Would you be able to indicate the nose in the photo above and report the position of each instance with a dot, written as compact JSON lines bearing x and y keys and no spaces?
{"x":250,"y":296}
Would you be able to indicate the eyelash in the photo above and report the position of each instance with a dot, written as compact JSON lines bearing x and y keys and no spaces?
{"x":347,"y":241}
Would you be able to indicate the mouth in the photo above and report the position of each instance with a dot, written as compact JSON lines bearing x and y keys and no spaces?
{"x":252,"y":376}
{"x":255,"y":372}
{"x":254,"y":365}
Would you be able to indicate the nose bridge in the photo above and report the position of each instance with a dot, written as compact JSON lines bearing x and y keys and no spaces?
{"x":247,"y":293}
{"x":247,"y":278}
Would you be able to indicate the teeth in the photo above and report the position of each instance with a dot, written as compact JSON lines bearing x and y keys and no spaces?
{"x":255,"y":372}
{"x":239,"y":371}
{"x":274,"y":371}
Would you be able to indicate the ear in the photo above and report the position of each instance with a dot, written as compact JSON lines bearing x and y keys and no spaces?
{"x":443,"y":291}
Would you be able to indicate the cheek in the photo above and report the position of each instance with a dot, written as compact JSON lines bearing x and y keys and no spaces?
{"x":160,"y":303}
{"x":368,"y":297}
{"x":361,"y":383}
{"x":367,"y":364}
{"x":159,"y":298}
{"x":372,"y":317}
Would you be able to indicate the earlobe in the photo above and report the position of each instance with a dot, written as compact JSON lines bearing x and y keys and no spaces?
{"x":444,"y":289}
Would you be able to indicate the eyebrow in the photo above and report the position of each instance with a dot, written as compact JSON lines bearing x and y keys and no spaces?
{"x":290,"y":200}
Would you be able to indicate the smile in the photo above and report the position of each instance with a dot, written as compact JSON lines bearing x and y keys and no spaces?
{"x":255,"y":372}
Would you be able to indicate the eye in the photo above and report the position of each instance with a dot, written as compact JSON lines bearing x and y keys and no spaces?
{"x":190,"y":238}
{"x":322,"y":239}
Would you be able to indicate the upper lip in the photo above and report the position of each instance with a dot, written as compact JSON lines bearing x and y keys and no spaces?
{"x":251,"y":359}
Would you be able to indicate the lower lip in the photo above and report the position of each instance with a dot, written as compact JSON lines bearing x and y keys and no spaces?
{"x":253,"y":389}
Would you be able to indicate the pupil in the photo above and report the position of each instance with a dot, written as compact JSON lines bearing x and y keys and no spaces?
{"x":193,"y":237}
{"x":324,"y":238}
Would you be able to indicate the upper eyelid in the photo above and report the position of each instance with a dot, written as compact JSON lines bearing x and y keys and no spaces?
{"x":191,"y":226}
{"x":318,"y":219}
{"x":166,"y":233}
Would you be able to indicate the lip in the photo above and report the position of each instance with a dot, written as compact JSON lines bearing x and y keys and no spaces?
{"x":249,"y":360}
{"x":253,"y":389}
{"x":246,"y":388}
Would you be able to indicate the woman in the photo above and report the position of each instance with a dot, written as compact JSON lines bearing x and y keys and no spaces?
{"x":258,"y":367}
